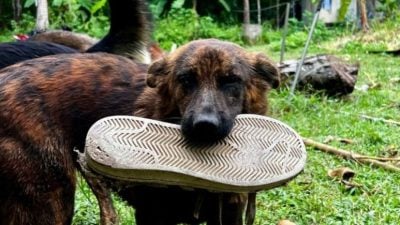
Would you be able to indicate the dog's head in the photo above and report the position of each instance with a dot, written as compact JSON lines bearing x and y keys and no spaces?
{"x":210,"y":82}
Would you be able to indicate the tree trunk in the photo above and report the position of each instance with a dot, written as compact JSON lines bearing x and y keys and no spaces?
{"x":251,"y":32}
{"x":194,"y":2}
{"x":363,"y":15}
{"x":277,"y":13}
{"x":17,"y":9}
{"x":246,"y":12}
{"x":42,"y":16}
{"x":258,"y":12}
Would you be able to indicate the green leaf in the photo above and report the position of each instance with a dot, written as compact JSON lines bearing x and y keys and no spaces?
{"x":98,"y":5}
{"x":29,"y":3}
{"x":344,"y":6}
{"x":160,"y":7}
{"x":57,"y":3}
{"x":177,"y":4}
{"x":87,"y":4}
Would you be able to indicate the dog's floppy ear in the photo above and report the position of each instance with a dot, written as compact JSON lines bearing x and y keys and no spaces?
{"x":265,"y":75}
{"x":266,"y":70}
{"x":156,"y":72}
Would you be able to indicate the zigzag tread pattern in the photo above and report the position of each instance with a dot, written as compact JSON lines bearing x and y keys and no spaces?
{"x":256,"y":150}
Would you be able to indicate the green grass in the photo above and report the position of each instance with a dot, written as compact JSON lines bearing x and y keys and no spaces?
{"x":313,"y":197}
{"x":87,"y":211}
{"x":6,"y":36}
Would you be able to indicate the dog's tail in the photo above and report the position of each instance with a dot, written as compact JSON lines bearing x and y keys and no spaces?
{"x":130,"y":29}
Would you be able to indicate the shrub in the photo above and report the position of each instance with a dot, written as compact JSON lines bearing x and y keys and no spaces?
{"x":183,"y":25}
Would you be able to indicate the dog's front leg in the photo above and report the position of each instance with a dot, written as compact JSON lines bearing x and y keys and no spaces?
{"x":228,"y":210}
{"x":108,"y":216}
{"x":101,"y":190}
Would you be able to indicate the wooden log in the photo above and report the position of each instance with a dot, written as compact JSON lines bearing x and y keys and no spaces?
{"x":326,"y":73}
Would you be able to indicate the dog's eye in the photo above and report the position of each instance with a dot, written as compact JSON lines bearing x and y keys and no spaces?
{"x":229,"y":80}
{"x":187,"y":80}
{"x":231,"y":85}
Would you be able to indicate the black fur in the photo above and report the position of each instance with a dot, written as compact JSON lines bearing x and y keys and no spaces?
{"x":130,"y":29}
{"x":14,"y":52}
{"x":129,"y":35}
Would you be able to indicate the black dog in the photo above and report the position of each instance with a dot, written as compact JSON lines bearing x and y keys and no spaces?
{"x":14,"y":52}
{"x":129,"y":35}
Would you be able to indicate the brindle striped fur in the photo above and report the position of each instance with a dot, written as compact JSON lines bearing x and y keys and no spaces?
{"x":48,"y":104}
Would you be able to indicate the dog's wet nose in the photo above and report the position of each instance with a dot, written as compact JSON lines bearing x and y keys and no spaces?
{"x":206,"y":124}
{"x":204,"y":128}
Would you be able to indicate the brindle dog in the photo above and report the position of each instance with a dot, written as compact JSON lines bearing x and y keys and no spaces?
{"x":48,"y":104}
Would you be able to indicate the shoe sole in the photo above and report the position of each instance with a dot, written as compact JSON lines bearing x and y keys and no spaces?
{"x":259,"y":153}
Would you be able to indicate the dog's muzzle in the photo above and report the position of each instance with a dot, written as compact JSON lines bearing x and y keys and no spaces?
{"x":205,"y":128}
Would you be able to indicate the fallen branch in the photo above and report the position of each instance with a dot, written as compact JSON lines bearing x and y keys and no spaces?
{"x":349,"y":155}
{"x":382,"y":159}
{"x":380,"y":119}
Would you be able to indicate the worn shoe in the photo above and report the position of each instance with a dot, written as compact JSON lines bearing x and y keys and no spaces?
{"x":260,"y":153}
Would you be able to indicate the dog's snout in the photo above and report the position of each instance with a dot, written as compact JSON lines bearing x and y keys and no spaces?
{"x":206,"y":123}
{"x":205,"y":128}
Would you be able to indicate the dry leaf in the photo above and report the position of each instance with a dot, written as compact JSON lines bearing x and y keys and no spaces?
{"x":391,"y":151}
{"x":286,"y":222}
{"x":342,"y":173}
{"x":374,"y":85}
{"x":345,"y":176}
{"x":395,"y":80}
{"x":328,"y":139}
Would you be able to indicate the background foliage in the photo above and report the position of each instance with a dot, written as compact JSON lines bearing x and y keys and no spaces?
{"x":218,"y":19}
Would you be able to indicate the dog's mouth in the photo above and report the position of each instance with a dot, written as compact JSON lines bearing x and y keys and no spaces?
{"x":205,"y":130}
{"x":202,"y":132}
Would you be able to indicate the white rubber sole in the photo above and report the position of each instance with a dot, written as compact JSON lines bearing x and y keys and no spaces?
{"x":259,"y":153}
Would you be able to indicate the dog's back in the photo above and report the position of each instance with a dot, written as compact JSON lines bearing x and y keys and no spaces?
{"x":47,"y":105}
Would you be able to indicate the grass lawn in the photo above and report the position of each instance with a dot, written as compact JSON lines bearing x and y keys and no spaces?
{"x":313,"y":197}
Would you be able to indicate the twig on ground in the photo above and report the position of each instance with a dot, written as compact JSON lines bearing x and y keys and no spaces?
{"x":351,"y":184}
{"x":380,"y":119}
{"x":384,"y":159}
{"x":349,"y":155}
